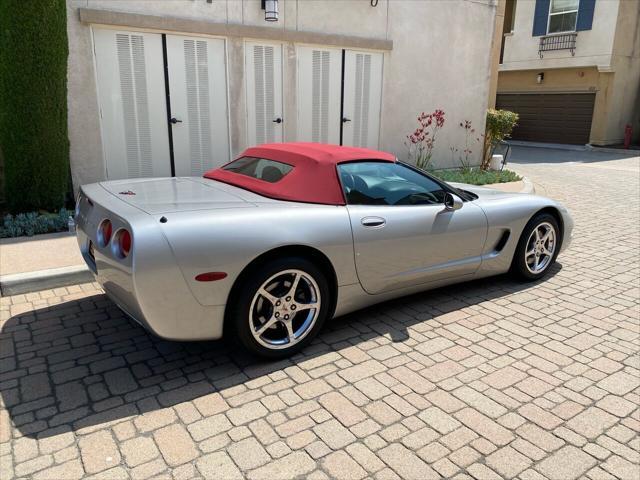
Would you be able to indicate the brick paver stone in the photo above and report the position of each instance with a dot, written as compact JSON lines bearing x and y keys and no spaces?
{"x":175,"y":444}
{"x":566,"y":464}
{"x":99,"y":451}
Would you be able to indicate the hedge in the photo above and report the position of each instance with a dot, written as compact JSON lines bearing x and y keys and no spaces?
{"x":33,"y":103}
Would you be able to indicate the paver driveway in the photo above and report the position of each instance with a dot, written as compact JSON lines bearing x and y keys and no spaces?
{"x":487,"y":379}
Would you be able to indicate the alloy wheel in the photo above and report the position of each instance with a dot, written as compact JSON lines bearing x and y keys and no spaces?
{"x":541,"y":247}
{"x":284,"y":309}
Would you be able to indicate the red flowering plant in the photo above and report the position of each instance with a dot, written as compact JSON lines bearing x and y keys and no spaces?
{"x":467,"y":153}
{"x":421,"y":142}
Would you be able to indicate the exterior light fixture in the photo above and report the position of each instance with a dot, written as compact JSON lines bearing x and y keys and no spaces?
{"x":540,"y":77}
{"x":270,"y":8}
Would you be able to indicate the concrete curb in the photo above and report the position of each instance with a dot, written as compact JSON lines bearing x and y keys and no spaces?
{"x":20,"y":283}
{"x":552,"y":146}
{"x":621,"y":151}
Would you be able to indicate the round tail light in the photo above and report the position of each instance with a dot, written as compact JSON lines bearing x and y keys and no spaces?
{"x":104,"y":233}
{"x":122,"y":243}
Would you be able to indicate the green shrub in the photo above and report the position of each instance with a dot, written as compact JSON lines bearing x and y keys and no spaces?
{"x":475,"y":176}
{"x":33,"y":103}
{"x":500,"y":123}
{"x":34,"y":223}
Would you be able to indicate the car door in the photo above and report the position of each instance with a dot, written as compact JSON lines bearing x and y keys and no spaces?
{"x":403,"y":235}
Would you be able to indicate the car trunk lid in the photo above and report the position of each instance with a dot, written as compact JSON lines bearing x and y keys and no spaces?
{"x":167,"y":195}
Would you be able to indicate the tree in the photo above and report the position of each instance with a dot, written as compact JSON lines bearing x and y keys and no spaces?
{"x":33,"y":103}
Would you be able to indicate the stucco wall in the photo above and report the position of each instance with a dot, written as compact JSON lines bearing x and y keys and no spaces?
{"x":440,"y":59}
{"x":607,"y":61}
{"x":593,"y":47}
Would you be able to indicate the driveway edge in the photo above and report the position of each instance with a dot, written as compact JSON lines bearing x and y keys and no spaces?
{"x":19,"y":283}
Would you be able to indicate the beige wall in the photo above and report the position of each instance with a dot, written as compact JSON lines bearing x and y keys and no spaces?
{"x":607,"y":61}
{"x":440,"y":59}
{"x":593,"y":47}
{"x":496,"y":44}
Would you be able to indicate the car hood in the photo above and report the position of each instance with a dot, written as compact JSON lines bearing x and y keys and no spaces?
{"x":168,"y":195}
{"x":484,"y":192}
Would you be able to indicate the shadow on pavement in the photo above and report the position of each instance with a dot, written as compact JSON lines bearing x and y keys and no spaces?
{"x":82,"y":364}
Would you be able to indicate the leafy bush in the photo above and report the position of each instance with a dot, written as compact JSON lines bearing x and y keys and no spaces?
{"x":33,"y":103}
{"x":33,"y":223}
{"x":500,"y":123}
{"x":474,"y":176}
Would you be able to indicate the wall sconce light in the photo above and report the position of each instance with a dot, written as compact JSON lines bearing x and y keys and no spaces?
{"x":270,"y":8}
{"x":540,"y":78}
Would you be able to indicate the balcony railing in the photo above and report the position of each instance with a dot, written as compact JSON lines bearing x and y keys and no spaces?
{"x":561,"y":41}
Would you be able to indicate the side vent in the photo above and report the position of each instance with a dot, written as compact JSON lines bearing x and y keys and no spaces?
{"x":502,"y":241}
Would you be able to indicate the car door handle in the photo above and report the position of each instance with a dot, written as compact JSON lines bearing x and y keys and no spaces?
{"x":373,"y":222}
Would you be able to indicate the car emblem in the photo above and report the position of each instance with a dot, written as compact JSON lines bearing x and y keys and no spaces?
{"x":127,"y":192}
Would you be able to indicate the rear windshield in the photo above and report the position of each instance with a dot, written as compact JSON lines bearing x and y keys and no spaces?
{"x":261,"y":168}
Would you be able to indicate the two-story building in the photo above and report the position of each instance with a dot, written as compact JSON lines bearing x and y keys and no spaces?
{"x":571,"y":69}
{"x":160,"y":88}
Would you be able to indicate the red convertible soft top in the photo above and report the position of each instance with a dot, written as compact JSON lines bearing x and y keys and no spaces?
{"x":314,"y":177}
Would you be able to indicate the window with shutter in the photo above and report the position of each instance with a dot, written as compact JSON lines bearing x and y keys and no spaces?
{"x":562,"y":16}
{"x":585,"y":15}
{"x":541,"y":17}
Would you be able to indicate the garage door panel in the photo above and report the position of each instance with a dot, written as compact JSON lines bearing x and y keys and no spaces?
{"x":555,"y":118}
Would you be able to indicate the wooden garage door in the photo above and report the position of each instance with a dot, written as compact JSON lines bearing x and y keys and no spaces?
{"x":552,"y":118}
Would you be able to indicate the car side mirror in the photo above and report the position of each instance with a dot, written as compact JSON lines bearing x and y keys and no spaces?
{"x":452,"y":202}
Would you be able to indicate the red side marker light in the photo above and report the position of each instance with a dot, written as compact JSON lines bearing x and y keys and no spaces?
{"x":211,"y":276}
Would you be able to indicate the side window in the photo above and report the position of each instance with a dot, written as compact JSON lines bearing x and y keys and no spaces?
{"x":384,"y":183}
{"x":563,"y":15}
{"x":261,"y":168}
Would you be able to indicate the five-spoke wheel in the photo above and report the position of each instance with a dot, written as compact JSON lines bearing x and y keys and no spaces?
{"x":541,"y":247}
{"x":279,"y":306}
{"x":284,"y":309}
{"x":537,"y":248}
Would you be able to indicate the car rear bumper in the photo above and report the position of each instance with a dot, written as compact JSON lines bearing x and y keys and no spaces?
{"x":147,"y":286}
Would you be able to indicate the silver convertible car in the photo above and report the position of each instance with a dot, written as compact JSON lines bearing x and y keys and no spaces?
{"x":267,"y":247}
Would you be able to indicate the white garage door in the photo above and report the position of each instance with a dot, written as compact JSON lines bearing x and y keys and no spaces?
{"x":263,"y":72}
{"x":319,"y":94}
{"x":155,"y":124}
{"x":362,"y":97}
{"x":132,"y":104}
{"x":198,"y":96}
{"x":339,"y":96}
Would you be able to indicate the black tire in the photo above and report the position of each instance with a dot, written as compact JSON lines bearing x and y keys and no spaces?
{"x":519,"y":268}
{"x":238,"y":318}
